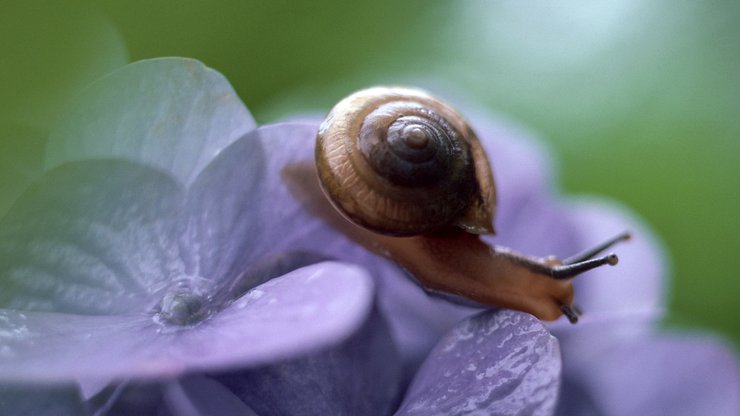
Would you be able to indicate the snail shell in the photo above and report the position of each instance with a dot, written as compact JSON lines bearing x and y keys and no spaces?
{"x":400,"y":162}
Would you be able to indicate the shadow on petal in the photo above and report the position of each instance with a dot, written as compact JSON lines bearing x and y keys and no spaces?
{"x":198,"y":395}
{"x":360,"y":376}
{"x":40,"y":400}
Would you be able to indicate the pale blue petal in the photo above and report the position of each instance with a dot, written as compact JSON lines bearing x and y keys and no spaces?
{"x":92,"y":237}
{"x":171,"y":113}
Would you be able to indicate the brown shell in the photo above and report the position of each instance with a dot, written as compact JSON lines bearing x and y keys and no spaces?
{"x":400,"y":162}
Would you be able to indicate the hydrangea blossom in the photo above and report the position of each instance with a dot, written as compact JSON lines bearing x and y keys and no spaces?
{"x":616,"y":361}
{"x":165,"y":264}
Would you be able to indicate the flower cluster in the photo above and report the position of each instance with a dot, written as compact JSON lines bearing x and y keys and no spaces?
{"x":168,"y":263}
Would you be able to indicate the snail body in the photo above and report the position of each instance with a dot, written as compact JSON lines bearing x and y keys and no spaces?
{"x":401,"y":162}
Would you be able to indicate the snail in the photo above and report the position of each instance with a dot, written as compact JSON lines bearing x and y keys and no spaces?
{"x":409,"y":171}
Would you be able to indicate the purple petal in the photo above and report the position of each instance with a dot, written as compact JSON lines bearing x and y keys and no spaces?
{"x":417,"y":319}
{"x":240,"y":215}
{"x":304,"y":311}
{"x":172,"y":113}
{"x":288,"y":145}
{"x":91,"y":238}
{"x":656,"y":375}
{"x":523,"y":160}
{"x":494,"y":363}
{"x":360,"y":376}
{"x":54,"y":347}
{"x":635,"y":287}
{"x":222,"y":234}
{"x":528,"y":218}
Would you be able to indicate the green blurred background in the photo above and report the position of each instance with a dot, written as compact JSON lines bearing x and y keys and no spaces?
{"x":640,"y":100}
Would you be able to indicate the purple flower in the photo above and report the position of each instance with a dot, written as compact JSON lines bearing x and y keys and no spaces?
{"x":163,"y":265}
{"x":166,"y":263}
{"x":616,"y":361}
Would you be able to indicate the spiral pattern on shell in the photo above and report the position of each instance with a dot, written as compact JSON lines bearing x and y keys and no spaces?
{"x":400,"y":162}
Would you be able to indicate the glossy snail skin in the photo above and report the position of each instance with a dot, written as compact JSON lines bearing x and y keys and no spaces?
{"x":400,"y":162}
{"x":409,"y":171}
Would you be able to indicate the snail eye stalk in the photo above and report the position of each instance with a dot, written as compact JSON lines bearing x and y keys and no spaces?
{"x":598,"y":249}
{"x":567,"y":271}
{"x":571,"y":313}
